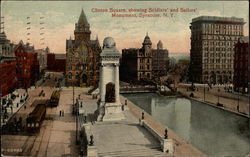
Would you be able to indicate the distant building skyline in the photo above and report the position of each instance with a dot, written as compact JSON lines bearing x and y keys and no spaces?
{"x":127,"y":32}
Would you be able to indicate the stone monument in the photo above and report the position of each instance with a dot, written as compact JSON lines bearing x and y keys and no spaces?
{"x":109,"y":105}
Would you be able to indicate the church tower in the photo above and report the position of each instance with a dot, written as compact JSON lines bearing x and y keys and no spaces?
{"x":82,"y":28}
{"x":147,"y":44}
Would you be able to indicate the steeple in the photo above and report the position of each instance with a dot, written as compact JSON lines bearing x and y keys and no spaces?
{"x":83,"y":20}
{"x":97,"y":41}
{"x":82,"y":31}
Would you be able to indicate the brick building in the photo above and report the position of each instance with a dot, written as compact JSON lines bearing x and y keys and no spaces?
{"x":82,"y":56}
{"x":56,"y":62}
{"x":8,"y":80}
{"x":27,"y":66}
{"x":144,"y":63}
{"x":241,"y":63}
{"x":212,"y":48}
{"x":136,"y":64}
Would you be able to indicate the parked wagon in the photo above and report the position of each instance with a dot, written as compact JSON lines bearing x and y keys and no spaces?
{"x":54,"y":99}
{"x":35,"y":118}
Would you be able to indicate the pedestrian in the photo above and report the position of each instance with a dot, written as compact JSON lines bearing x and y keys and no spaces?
{"x":24,"y":106}
{"x":60,"y":113}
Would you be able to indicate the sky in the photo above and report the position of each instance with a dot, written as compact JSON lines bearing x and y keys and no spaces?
{"x":128,"y":32}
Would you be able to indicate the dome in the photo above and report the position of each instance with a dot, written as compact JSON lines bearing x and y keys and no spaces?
{"x":108,"y":42}
{"x":147,"y":40}
{"x":159,"y":45}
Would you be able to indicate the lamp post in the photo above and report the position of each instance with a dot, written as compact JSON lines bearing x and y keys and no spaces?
{"x":218,"y":95}
{"x":204,"y":91}
{"x":238,"y":105}
{"x":77,"y":101}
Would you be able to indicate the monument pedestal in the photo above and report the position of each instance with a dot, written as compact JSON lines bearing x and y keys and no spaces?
{"x":113,"y":112}
{"x":92,"y":151}
{"x":167,"y":146}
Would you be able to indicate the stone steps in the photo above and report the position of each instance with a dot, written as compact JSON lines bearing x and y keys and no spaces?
{"x":156,"y":152}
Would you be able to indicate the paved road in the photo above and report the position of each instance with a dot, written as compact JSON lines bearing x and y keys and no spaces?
{"x":229,"y":100}
{"x":38,"y":145}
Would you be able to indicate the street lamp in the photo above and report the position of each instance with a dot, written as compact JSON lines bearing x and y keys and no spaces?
{"x":77,"y":101}
{"x":218,"y":95}
{"x":238,"y":105}
{"x":204,"y":91}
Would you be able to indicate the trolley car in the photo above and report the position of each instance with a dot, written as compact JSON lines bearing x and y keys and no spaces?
{"x":36,"y":117}
{"x":54,"y":99}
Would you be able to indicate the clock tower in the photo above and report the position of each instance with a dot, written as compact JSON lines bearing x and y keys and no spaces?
{"x":82,"y":28}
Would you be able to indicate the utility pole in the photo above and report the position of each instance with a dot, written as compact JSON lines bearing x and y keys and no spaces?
{"x":238,"y":106}
{"x":218,"y":95}
{"x":204,"y":91}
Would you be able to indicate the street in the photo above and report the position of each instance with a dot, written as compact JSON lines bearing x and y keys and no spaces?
{"x":57,"y":134}
{"x":217,"y":94}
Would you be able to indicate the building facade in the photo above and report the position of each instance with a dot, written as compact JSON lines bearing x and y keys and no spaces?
{"x":8,"y":79}
{"x":160,"y":60}
{"x":241,"y":63}
{"x":212,"y":48}
{"x":27,"y":66}
{"x":42,"y":58}
{"x":144,"y":63}
{"x":82,"y":56}
{"x":56,"y":62}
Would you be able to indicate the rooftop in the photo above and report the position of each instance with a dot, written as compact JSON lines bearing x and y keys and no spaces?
{"x":218,"y":19}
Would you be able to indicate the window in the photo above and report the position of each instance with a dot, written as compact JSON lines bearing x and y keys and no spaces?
{"x":70,"y":68}
{"x":70,"y":75}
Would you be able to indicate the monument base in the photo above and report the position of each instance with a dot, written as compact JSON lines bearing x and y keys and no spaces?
{"x":113,"y":112}
{"x":167,"y":146}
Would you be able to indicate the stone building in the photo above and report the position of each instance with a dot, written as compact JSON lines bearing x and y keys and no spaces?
{"x":241,"y":63}
{"x":212,"y":48}
{"x":82,"y":56}
{"x":144,"y":63}
{"x":8,"y":79}
{"x":42,"y":58}
{"x":159,"y":60}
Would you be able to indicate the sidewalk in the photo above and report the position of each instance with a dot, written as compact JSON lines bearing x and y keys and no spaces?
{"x":230,"y":101}
{"x":182,"y":148}
{"x":16,"y":104}
{"x":121,"y":138}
